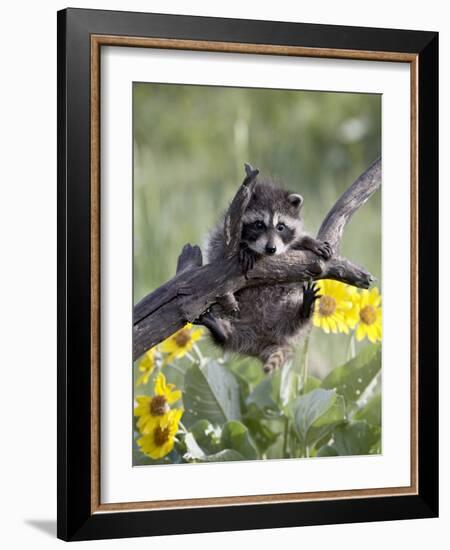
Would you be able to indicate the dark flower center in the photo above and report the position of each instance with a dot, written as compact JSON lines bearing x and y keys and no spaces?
{"x":182,"y":338}
{"x":161,"y":436}
{"x":368,"y":315}
{"x":158,"y":405}
{"x":327,"y":306}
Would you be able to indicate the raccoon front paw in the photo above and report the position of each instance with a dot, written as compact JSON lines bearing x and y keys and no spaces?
{"x":310,"y":295}
{"x":323,"y":248}
{"x":247,"y":258}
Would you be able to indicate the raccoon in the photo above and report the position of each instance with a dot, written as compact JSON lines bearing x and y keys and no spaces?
{"x":265,"y":322}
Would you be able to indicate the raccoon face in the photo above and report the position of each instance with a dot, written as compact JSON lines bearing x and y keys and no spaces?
{"x":274,"y":229}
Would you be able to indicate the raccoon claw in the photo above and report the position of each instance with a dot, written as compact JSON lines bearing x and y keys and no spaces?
{"x":310,"y":295}
{"x":324,"y":249}
{"x":201,"y":319}
{"x":313,"y":270}
{"x":247,"y":258}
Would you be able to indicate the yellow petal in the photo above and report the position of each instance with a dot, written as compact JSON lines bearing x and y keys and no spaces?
{"x":141,"y":399}
{"x":374,"y":296}
{"x":364,"y":298}
{"x":197,"y":334}
{"x":371,"y":333}
{"x":143,"y":404}
{"x":176,"y":415}
{"x":160,"y":384}
{"x":146,"y":424}
{"x":174,"y":396}
{"x":342,"y":327}
{"x":360,"y":332}
{"x":332,"y":324}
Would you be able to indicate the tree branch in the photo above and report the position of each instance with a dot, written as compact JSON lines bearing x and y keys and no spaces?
{"x":196,"y":287}
{"x":356,"y":195}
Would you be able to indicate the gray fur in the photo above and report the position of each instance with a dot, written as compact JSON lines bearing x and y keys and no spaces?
{"x":269,"y":321}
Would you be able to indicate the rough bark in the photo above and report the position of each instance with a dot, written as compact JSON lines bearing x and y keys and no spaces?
{"x":195,"y":287}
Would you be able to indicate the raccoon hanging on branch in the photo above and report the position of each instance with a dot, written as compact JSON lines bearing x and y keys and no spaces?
{"x":265,"y":321}
{"x":256,"y":294}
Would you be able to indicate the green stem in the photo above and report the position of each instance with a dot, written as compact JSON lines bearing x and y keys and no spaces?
{"x":183,"y":427}
{"x":296,"y":448}
{"x":304,"y":362}
{"x":351,"y":347}
{"x":286,"y":437}
{"x":191,"y":357}
{"x":199,"y":353}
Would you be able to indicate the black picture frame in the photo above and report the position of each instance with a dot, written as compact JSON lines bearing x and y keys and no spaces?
{"x":76,"y":521}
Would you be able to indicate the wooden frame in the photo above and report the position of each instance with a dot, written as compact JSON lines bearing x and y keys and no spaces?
{"x":81,"y":34}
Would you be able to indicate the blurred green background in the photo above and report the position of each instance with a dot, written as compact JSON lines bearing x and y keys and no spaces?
{"x":190,"y":145}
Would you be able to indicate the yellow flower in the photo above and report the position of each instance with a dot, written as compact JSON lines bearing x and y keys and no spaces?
{"x":163,"y":389}
{"x":151,"y":409}
{"x":146,"y":366}
{"x":159,"y":441}
{"x":333,"y":310}
{"x":181,"y":342}
{"x":369,"y":315}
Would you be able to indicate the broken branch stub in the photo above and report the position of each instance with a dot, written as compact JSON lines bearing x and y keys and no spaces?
{"x":233,"y":217}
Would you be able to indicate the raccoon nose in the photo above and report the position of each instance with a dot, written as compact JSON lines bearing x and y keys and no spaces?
{"x":271,"y":249}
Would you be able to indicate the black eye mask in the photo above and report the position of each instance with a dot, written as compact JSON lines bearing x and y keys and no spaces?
{"x":252,"y":231}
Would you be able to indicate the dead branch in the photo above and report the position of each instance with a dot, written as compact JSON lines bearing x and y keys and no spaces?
{"x":195,"y":287}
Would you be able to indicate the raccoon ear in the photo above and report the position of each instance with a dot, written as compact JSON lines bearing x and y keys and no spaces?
{"x":296,"y":200}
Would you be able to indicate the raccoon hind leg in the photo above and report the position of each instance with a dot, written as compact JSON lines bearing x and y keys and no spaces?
{"x":275,"y":357}
{"x":219,"y":328}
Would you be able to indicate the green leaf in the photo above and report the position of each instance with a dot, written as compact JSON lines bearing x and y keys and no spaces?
{"x":206,"y":436}
{"x":211,"y":393}
{"x":371,"y":412}
{"x":316,"y":413}
{"x":237,"y":437}
{"x":226,"y":455}
{"x":312,"y":383}
{"x":261,"y":429}
{"x":355,"y":438}
{"x":195,"y":454}
{"x":327,"y":450}
{"x":248,"y":370}
{"x":264,"y":396}
{"x":276,"y":450}
{"x":288,"y":383}
{"x":352,"y":378}
{"x":376,"y":449}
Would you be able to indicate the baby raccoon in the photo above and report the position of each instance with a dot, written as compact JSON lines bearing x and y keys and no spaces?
{"x":267,"y":321}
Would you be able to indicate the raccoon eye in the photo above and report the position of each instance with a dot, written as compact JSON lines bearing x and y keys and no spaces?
{"x":259,"y":224}
{"x":281,"y":227}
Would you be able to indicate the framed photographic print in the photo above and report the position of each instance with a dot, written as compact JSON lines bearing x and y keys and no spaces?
{"x":247,"y":251}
